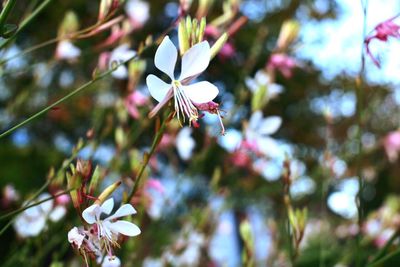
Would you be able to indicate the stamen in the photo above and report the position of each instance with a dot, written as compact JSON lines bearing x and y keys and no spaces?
{"x":221,"y":123}
{"x":183,"y":105}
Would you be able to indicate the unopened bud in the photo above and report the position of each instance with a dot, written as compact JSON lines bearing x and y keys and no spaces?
{"x":288,"y":34}
{"x":69,"y":25}
{"x":84,"y":168}
{"x":185,"y":5}
{"x":204,"y":6}
{"x":202,"y":28}
{"x":107,"y":192}
{"x":218,"y":45}
{"x":183,"y":37}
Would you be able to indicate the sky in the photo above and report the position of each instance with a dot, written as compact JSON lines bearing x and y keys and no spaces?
{"x":335,"y":45}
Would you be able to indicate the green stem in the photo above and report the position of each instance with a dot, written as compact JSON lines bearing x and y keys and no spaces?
{"x":74,"y":92}
{"x":26,"y":22}
{"x":34,"y":204}
{"x":383,"y":259}
{"x":156,"y":141}
{"x":383,"y":250}
{"x":5,"y":12}
{"x":360,"y":122}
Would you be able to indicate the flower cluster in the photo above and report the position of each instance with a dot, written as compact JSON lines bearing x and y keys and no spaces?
{"x":98,"y":240}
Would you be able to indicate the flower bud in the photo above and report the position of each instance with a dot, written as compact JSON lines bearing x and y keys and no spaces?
{"x":204,"y":6}
{"x":202,"y":28}
{"x":107,"y":192}
{"x":288,"y":34}
{"x":69,"y":25}
{"x":183,"y":37}
{"x":218,"y":45}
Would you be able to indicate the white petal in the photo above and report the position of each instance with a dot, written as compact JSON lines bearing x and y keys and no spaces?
{"x":165,"y":58}
{"x":90,"y":213}
{"x":262,"y":78}
{"x":110,"y":262}
{"x":124,"y":210}
{"x":66,"y":50}
{"x":270,"y":125}
{"x":138,"y":11}
{"x":107,"y":206}
{"x":195,"y":60}
{"x":57,"y":213}
{"x":251,"y":84}
{"x":201,"y":92}
{"x":255,"y":120}
{"x":122,"y":53}
{"x":185,"y":143}
{"x":75,"y":237}
{"x":120,"y":73}
{"x":47,"y":205}
{"x":158,"y":88}
{"x":274,"y":90}
{"x":125,"y":228}
{"x":269,"y":147}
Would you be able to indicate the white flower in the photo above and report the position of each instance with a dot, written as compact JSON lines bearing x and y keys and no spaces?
{"x":75,"y":237}
{"x":32,"y":221}
{"x":194,"y":62}
{"x":138,"y":12}
{"x":185,"y":143}
{"x":119,"y":55}
{"x":108,"y":228}
{"x":262,"y":79}
{"x":58,"y":213}
{"x":110,"y":261}
{"x":66,"y":50}
{"x":259,"y":131}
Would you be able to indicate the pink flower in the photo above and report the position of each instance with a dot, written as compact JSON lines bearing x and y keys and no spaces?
{"x":134,"y":100}
{"x":283,"y":63}
{"x":391,"y":143}
{"x":382,"y":32}
{"x":117,"y":32}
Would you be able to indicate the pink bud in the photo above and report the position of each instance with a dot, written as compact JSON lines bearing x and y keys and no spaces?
{"x":282,"y":63}
{"x":391,"y":144}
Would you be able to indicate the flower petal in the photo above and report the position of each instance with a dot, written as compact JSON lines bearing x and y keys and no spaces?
{"x":185,"y":143}
{"x":255,"y":120}
{"x":165,"y":58}
{"x":158,"y":88}
{"x":89,"y":214}
{"x":195,"y":60}
{"x":120,"y":72}
{"x":57,"y":213}
{"x":125,"y":228}
{"x":201,"y":92}
{"x":270,"y":125}
{"x":107,"y":206}
{"x":124,"y":210}
{"x":269,"y":147}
